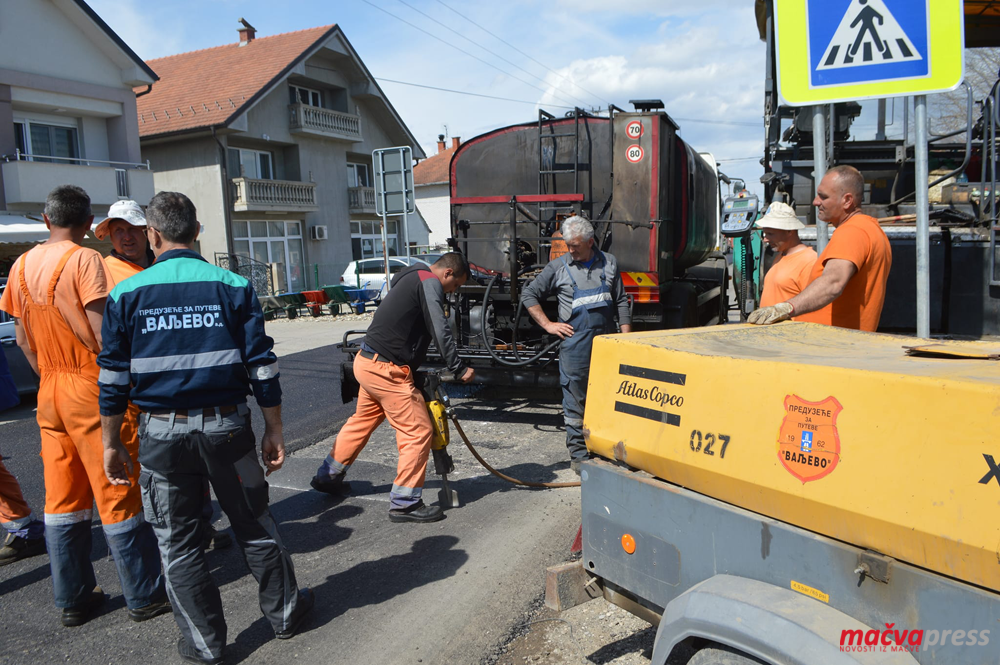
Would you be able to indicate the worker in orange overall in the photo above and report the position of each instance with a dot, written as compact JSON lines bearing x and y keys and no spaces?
{"x":125,"y":226}
{"x":25,"y":534}
{"x":56,"y":293}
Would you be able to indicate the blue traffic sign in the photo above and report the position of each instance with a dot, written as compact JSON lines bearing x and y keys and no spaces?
{"x":859,"y":41}
{"x":837,"y":50}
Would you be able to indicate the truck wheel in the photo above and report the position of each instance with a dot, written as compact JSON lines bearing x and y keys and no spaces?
{"x":721,"y":655}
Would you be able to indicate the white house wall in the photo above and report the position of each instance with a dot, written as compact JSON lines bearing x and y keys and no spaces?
{"x":433,"y":201}
{"x":36,"y":37}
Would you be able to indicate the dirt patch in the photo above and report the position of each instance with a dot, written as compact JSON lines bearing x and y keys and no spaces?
{"x":593,"y":633}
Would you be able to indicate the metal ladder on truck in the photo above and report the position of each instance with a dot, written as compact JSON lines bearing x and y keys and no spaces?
{"x":549,"y":168}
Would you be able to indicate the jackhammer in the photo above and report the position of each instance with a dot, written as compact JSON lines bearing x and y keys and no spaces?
{"x":440,"y":410}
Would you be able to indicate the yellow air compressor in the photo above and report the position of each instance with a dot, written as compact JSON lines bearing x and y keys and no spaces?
{"x":843,"y":433}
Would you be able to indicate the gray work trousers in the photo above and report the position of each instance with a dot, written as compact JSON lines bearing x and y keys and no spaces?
{"x":176,"y":455}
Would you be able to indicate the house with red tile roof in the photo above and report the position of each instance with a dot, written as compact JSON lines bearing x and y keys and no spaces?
{"x":272,"y":137}
{"x":430,"y":182}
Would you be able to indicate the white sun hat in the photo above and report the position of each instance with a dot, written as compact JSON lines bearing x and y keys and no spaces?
{"x":780,"y":216}
{"x":128,"y":211}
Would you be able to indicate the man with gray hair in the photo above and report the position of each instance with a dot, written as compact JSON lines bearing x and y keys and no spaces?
{"x":591,"y":302}
{"x":185,"y":341}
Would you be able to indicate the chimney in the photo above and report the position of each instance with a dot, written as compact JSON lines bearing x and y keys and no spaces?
{"x":455,"y":141}
{"x":247,"y":32}
{"x":440,"y":142}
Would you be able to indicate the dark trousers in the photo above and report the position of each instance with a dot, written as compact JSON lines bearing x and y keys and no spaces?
{"x":176,"y":456}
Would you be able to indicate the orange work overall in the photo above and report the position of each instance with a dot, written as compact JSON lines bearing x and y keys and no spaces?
{"x":70,"y":421}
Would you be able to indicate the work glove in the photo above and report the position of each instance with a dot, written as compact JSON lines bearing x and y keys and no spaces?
{"x":773,"y":314}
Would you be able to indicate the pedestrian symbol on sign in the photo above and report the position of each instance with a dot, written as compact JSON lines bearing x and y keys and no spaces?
{"x":873,"y":40}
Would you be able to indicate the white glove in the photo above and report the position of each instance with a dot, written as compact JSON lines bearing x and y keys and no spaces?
{"x":773,"y":314}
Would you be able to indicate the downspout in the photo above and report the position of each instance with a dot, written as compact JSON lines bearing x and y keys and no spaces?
{"x":149,"y":89}
{"x":226,"y":195}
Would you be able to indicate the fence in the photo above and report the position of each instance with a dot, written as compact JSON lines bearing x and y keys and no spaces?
{"x":258,"y":273}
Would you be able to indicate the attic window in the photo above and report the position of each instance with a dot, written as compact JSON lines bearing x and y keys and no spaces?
{"x":307,"y":96}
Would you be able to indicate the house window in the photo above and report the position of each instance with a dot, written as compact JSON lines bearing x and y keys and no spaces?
{"x":366,"y":239}
{"x":46,"y":140}
{"x":279,"y":243}
{"x":255,"y":164}
{"x":308,"y":96}
{"x":357,"y":175}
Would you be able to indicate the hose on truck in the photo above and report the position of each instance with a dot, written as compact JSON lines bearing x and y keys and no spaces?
{"x":489,"y":344}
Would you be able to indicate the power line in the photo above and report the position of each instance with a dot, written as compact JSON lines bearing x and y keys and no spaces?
{"x":503,"y":41}
{"x":552,"y":106}
{"x":493,"y":53}
{"x":471,"y":94}
{"x":461,"y":50}
{"x":739,"y":159}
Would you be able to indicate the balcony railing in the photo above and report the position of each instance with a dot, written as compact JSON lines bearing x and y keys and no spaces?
{"x":361,"y":200}
{"x":255,"y":195}
{"x":28,"y":178}
{"x":324,"y":122}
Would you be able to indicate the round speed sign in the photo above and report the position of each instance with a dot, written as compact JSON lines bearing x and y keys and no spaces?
{"x":633,"y":129}
{"x":634,"y":153}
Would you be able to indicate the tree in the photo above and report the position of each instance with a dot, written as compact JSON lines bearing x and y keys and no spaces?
{"x":948,"y":110}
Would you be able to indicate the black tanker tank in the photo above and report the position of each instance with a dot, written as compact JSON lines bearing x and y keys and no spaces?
{"x":654,"y":203}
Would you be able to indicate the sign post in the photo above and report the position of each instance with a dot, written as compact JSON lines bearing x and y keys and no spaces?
{"x":844,"y":50}
{"x":393,"y":194}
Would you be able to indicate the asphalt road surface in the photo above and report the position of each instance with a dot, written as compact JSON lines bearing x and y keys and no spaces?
{"x":449,"y":592}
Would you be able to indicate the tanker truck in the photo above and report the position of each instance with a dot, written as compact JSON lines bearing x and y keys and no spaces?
{"x":654,"y":202}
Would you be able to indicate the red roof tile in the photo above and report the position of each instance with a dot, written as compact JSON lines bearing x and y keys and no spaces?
{"x":209,"y":87}
{"x":434,"y":169}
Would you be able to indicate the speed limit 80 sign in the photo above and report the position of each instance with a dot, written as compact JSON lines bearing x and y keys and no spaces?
{"x":634,"y":153}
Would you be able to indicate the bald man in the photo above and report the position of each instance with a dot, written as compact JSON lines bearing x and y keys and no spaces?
{"x":847,"y":283}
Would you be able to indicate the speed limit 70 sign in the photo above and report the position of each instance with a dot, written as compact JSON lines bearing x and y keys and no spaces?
{"x":633,"y":129}
{"x":634,"y":153}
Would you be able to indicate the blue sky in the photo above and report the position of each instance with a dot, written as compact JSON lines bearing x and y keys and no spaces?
{"x":703,"y":58}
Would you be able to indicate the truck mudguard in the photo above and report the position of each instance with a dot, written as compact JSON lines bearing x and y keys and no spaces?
{"x":774,"y":624}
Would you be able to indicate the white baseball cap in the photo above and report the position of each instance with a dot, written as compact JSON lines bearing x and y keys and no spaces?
{"x":128,"y":211}
{"x":780,"y":216}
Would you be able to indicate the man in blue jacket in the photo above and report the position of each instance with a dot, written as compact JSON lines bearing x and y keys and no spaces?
{"x":184,"y":340}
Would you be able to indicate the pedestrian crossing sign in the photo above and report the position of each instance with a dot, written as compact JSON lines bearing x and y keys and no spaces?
{"x":841,"y":50}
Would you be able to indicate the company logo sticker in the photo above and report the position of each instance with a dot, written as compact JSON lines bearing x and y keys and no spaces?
{"x":808,"y":441}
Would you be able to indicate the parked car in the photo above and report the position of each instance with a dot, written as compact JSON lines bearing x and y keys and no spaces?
{"x":24,"y":377}
{"x":477,"y":273}
{"x":370,"y":273}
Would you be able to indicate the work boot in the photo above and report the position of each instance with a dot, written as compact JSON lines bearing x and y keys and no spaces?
{"x":84,"y":612}
{"x":154,"y":609}
{"x":418,"y":512}
{"x":332,"y":485}
{"x":215,"y":540}
{"x":16,"y":548}
{"x":189,"y":655}
{"x":306,"y":601}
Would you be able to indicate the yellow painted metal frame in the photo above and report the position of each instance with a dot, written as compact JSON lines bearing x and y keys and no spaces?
{"x":946,"y":47}
{"x":912,"y":433}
